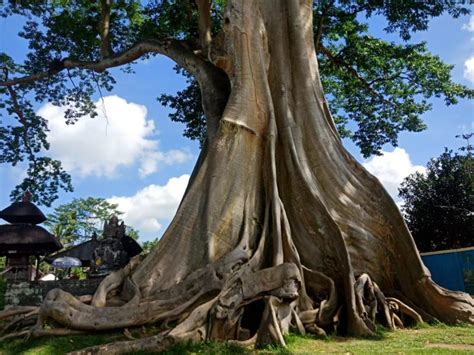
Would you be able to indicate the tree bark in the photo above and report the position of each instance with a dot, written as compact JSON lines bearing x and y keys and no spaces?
{"x":277,"y":216}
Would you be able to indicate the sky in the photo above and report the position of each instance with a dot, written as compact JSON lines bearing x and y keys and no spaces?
{"x":134,"y":156}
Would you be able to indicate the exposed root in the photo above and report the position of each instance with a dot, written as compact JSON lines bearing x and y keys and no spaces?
{"x":21,"y":320}
{"x":405,"y":310}
{"x":397,"y":321}
{"x":13,"y":311}
{"x":427,"y":317}
{"x":37,"y":333}
{"x":220,"y":317}
{"x":383,"y":307}
{"x":128,"y":335}
{"x":366,"y":300}
{"x":112,"y":282}
{"x":372,"y":302}
{"x":23,"y":333}
{"x":87,"y":299}
{"x":249,"y":342}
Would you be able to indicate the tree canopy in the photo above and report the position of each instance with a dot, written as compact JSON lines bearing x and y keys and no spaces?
{"x":375,"y":88}
{"x":439,"y":204}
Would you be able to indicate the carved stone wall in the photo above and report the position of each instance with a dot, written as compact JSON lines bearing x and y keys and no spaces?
{"x":32,"y":293}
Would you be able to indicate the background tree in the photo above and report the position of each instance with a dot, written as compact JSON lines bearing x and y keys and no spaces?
{"x":147,"y":246}
{"x":279,"y":225}
{"x":78,"y":220}
{"x":439,"y":204}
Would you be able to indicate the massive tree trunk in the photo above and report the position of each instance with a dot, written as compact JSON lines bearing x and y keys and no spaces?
{"x":280,"y":227}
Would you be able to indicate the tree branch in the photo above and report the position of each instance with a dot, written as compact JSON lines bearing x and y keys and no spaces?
{"x":178,"y":51}
{"x":21,"y":117}
{"x":398,"y":74}
{"x":317,"y":38}
{"x":214,"y":83}
{"x":204,"y":22}
{"x":339,"y":62}
{"x":104,"y":28}
{"x":30,"y":78}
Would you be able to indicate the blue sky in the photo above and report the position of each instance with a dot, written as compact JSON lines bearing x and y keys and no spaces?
{"x":133,"y":155}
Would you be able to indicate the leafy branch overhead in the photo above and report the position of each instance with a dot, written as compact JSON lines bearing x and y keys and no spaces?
{"x":375,"y":89}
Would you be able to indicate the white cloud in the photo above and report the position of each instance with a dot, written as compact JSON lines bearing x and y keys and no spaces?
{"x":469,"y":63}
{"x":470,"y":25}
{"x":151,"y":160}
{"x":119,"y":136}
{"x":391,"y":168}
{"x":469,"y":69}
{"x":152,"y":206}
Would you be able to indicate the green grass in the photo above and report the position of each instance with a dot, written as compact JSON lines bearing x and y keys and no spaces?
{"x":420,"y":340}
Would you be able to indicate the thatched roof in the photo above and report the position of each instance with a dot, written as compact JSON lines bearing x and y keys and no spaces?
{"x":23,"y":212}
{"x":84,"y":251}
{"x":26,"y":239}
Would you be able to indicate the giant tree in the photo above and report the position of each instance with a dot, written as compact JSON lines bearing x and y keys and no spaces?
{"x":279,"y":227}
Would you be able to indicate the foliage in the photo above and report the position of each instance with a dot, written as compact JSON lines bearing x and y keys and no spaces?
{"x":439,"y":204}
{"x":187,"y":108}
{"x":375,"y":88}
{"x":147,"y":246}
{"x":421,"y":340}
{"x":78,"y":220}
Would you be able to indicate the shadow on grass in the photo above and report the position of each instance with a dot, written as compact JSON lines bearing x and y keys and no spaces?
{"x":56,"y":344}
{"x":207,"y":347}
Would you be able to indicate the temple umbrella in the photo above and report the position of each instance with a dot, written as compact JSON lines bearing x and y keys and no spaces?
{"x":66,"y":262}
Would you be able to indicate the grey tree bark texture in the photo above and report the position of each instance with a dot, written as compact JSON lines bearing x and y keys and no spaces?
{"x":279,"y":228}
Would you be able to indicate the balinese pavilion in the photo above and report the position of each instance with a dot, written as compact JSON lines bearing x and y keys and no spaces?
{"x":23,"y":242}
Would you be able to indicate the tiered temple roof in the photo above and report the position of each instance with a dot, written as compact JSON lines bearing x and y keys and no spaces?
{"x":23,"y":236}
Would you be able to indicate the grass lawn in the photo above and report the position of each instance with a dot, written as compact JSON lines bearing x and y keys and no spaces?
{"x":438,"y":339}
